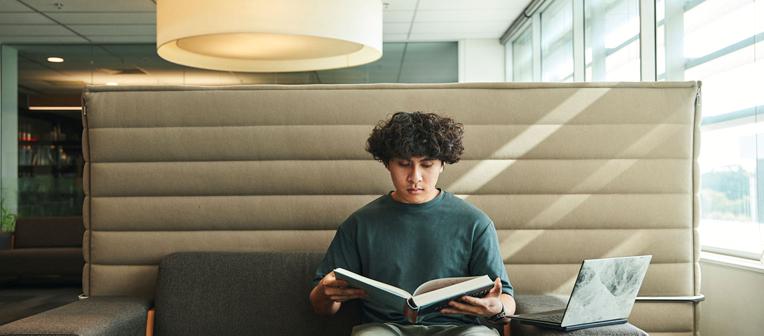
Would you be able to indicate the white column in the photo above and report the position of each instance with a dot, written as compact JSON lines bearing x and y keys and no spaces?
{"x":9,"y":124}
{"x":481,"y":60}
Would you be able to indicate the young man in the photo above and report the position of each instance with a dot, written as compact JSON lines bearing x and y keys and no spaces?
{"x":414,"y":234}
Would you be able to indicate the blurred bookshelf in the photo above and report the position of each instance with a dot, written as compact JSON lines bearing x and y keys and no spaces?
{"x":49,"y":163}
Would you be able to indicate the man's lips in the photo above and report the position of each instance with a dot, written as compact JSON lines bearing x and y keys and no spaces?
{"x":415,"y":190}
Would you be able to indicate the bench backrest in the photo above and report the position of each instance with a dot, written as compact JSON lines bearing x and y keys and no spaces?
{"x":566,"y":171}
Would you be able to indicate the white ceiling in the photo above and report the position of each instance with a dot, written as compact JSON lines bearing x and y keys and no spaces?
{"x":100,"y":37}
{"x":134,"y":21}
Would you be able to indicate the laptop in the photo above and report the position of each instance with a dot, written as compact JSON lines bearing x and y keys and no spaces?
{"x":604,"y":294}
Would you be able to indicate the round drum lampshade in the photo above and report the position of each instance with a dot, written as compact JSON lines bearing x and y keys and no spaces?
{"x":269,"y":35}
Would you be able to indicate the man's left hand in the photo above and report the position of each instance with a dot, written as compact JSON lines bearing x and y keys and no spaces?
{"x":486,"y":306}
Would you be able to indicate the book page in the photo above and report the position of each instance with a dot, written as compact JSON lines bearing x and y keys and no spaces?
{"x":432,"y":285}
{"x":377,"y":292}
{"x":474,"y":286}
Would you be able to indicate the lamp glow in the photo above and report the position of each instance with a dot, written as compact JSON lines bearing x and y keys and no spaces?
{"x":55,"y":59}
{"x":269,"y":36}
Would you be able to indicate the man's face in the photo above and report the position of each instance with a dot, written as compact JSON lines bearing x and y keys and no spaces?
{"x":415,"y":178}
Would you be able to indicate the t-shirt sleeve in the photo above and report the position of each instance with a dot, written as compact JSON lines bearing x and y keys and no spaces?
{"x":342,"y":252}
{"x":486,"y":256}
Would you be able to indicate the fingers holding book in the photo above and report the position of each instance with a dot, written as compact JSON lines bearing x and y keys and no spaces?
{"x":338,"y":290}
{"x":489,"y":305}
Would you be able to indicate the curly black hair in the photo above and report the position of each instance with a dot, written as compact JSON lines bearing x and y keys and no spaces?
{"x":409,"y":134}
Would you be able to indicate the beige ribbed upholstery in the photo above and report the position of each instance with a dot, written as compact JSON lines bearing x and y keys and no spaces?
{"x":566,"y":171}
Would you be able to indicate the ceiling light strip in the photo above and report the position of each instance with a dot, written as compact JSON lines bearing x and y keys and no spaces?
{"x":55,"y":108}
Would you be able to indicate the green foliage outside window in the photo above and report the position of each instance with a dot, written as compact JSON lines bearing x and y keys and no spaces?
{"x":726,"y":194}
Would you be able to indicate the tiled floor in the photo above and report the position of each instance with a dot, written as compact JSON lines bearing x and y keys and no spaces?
{"x":17,"y":302}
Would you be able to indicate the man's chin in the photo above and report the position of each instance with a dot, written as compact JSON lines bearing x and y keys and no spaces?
{"x":418,"y":196}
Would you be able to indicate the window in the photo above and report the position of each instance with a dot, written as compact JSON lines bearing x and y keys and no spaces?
{"x":721,"y":42}
{"x":612,"y":40}
{"x":557,"y":42}
{"x":522,"y":57}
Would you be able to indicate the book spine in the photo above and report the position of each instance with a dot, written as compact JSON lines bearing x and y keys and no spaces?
{"x":411,"y":313}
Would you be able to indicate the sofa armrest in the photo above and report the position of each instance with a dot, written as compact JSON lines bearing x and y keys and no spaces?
{"x":93,"y":316}
{"x":692,"y":298}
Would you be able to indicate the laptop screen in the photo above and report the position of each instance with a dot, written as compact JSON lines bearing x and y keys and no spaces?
{"x":605,"y":289}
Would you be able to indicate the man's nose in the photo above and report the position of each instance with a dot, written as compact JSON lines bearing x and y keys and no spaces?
{"x":415,"y":175}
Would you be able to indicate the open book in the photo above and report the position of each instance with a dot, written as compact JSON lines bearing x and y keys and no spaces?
{"x":429,"y":297}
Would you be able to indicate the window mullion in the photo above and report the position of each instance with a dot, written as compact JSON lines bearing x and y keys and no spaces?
{"x":647,"y":40}
{"x":536,"y":34}
{"x":579,"y":52}
{"x":674,"y":40}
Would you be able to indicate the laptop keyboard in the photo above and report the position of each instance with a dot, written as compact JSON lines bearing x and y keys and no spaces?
{"x":554,"y":316}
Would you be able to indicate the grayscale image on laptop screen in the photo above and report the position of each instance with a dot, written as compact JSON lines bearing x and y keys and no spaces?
{"x":605,"y":289}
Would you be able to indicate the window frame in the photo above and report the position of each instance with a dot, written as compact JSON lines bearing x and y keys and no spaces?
{"x":510,"y":52}
{"x":648,"y":37}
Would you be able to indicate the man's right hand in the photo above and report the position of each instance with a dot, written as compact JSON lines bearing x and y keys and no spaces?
{"x":338,"y":290}
{"x":328,"y":295}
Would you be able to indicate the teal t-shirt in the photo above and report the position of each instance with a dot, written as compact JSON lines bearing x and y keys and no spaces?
{"x":405,"y":245}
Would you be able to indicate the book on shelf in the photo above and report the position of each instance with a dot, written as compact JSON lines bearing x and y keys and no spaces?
{"x":429,"y":297}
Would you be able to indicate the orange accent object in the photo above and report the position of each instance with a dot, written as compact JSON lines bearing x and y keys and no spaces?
{"x":150,"y":322}
{"x":409,"y":313}
{"x":507,"y":329}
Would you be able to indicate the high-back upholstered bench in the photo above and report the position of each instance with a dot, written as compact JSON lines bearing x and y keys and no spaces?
{"x":566,"y":172}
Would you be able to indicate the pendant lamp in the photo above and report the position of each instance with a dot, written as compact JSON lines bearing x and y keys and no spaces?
{"x":269,"y":35}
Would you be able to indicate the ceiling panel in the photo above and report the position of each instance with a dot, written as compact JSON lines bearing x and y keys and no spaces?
{"x":464,"y":15}
{"x":41,"y":39}
{"x":470,"y":4}
{"x":123,"y":39}
{"x":394,"y":5}
{"x":34,"y":30}
{"x":23,"y":18}
{"x":398,"y":16}
{"x":63,"y":50}
{"x":490,"y":28}
{"x":93,"y":5}
{"x":132,"y":50}
{"x":13,"y":6}
{"x":396,"y":28}
{"x":105,"y":18}
{"x":449,"y":36}
{"x":395,"y":37}
{"x":114,"y":30}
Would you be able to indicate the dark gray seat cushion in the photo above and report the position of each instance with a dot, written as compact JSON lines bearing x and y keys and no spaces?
{"x":114,"y":316}
{"x":214,"y":293}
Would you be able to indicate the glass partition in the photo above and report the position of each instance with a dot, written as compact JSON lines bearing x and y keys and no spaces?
{"x":611,"y":40}
{"x":522,"y":57}
{"x":557,"y":42}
